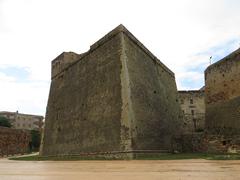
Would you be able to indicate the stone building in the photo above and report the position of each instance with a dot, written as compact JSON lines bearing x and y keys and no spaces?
{"x":193,"y":107}
{"x":23,"y":121}
{"x":116,"y":98}
{"x":222,"y":89}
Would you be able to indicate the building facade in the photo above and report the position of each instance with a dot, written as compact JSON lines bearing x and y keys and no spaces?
{"x":193,"y":107}
{"x":24,"y":121}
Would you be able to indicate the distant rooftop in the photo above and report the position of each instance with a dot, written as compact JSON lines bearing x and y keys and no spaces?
{"x":8,"y":112}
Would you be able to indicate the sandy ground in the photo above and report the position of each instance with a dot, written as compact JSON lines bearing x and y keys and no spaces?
{"x":116,"y":170}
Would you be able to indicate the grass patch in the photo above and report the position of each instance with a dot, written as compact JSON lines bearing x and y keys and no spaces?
{"x":180,"y":156}
{"x":169,"y":156}
{"x":59,"y":158}
{"x":139,"y":156}
{"x":224,"y":157}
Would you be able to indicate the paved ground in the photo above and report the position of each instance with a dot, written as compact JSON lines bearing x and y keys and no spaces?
{"x":120,"y":170}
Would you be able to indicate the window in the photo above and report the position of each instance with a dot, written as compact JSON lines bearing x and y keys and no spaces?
{"x":191,"y":101}
{"x":182,"y":102}
{"x":195,"y":124}
{"x":192,"y":111}
{"x":183,"y":111}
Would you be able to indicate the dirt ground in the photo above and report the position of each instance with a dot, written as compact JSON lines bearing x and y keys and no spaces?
{"x":119,"y":170}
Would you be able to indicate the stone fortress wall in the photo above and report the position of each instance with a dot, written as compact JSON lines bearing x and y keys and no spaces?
{"x":222,"y":103}
{"x":222,"y":81}
{"x":223,"y":95}
{"x":116,"y":98}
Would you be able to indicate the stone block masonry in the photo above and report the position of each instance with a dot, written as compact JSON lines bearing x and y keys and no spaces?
{"x":13,"y":141}
{"x":223,"y":96}
{"x":117,"y":98}
{"x":222,"y":101}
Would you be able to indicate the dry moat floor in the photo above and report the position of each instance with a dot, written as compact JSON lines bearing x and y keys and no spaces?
{"x":120,"y":170}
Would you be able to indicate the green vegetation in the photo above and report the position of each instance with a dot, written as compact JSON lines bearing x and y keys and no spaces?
{"x":58,"y":158}
{"x":35,"y":141}
{"x":189,"y":156}
{"x":138,"y":157}
{"x":4,"y":122}
{"x":169,"y":156}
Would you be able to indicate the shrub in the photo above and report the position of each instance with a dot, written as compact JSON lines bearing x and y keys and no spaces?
{"x":4,"y":122}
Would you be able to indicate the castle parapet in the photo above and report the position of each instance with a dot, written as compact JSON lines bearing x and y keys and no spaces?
{"x":63,"y":61}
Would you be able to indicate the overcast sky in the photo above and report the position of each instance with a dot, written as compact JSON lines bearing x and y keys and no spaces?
{"x":183,"y":34}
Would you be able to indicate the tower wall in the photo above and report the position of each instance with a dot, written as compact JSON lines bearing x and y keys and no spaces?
{"x":84,"y":106}
{"x":63,"y":61}
{"x":156,"y":119}
{"x":116,"y":98}
{"x":223,"y":96}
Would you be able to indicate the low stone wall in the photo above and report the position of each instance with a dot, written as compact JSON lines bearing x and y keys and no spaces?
{"x":222,"y":144}
{"x":207,"y":143}
{"x":13,"y":141}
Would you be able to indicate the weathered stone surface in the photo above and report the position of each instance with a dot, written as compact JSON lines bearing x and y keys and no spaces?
{"x":221,"y":143}
{"x":117,"y":97}
{"x":154,"y":99}
{"x":13,"y":141}
{"x":207,"y":143}
{"x":222,"y":89}
{"x":223,"y":96}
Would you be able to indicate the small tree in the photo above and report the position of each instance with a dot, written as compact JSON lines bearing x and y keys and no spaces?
{"x":36,"y":139}
{"x":4,"y":122}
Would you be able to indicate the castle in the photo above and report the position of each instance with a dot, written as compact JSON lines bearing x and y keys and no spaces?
{"x":118,"y":99}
